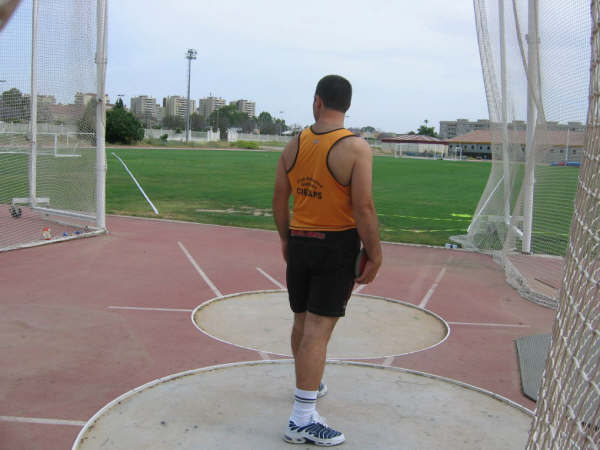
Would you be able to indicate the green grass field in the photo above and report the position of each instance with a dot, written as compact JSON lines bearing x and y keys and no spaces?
{"x":418,"y":201}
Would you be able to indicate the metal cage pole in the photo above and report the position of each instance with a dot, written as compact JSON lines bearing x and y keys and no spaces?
{"x":533,"y":86}
{"x":101,"y":18}
{"x":33,"y":106}
{"x":504,"y":90}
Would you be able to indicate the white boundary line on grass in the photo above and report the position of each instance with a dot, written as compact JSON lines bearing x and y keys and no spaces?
{"x":74,"y":423}
{"x":137,"y":184}
{"x":200,"y":271}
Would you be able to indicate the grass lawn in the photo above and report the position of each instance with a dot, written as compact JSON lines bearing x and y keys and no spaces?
{"x":418,"y":201}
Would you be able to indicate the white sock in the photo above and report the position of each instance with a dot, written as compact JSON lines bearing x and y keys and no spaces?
{"x":305,"y":404}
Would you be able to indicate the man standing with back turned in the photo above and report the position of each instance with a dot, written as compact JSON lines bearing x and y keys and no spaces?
{"x":328,"y":170}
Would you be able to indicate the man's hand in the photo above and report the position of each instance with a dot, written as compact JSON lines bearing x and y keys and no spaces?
{"x":369,"y":272}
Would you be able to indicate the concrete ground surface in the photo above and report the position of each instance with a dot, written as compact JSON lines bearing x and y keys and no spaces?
{"x":85,"y":321}
{"x":237,"y":407}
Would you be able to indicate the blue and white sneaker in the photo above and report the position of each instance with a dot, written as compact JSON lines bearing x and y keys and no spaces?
{"x":322,"y":390}
{"x":316,"y":432}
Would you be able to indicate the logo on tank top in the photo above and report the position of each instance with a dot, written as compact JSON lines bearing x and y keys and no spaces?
{"x":309,"y":187}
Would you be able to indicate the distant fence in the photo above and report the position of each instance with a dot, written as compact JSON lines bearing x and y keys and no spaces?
{"x":211,"y":136}
{"x":9,"y":127}
{"x":172,"y":135}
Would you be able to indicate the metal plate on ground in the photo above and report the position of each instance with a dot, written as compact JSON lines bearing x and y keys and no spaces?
{"x":533,"y":351}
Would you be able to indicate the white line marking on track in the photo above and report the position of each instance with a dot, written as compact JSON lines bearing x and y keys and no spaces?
{"x":138,"y":185}
{"x":387,"y":362}
{"x":432,"y":289}
{"x":271,"y":279}
{"x":360,"y":288}
{"x":264,"y":356}
{"x":490,"y":324}
{"x":75,"y":423}
{"x":136,"y":308}
{"x":200,"y":271}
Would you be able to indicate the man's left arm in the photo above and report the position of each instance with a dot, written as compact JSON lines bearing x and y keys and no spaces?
{"x":281,"y":209}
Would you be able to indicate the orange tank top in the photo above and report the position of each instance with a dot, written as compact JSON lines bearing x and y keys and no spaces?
{"x":321,"y":203}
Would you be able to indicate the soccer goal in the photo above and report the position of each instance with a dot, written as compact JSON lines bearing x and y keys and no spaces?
{"x":52,"y":121}
{"x":535,"y":58}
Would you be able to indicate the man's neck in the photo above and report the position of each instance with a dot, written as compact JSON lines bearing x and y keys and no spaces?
{"x":324,"y":125}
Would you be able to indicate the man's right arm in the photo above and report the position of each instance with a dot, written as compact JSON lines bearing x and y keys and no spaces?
{"x":281,"y":197}
{"x":363,"y":209}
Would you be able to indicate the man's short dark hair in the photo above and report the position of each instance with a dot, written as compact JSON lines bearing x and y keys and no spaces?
{"x":335,"y":91}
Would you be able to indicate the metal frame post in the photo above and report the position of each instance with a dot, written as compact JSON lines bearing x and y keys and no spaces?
{"x":33,"y":106}
{"x":504,"y":90}
{"x":532,"y":114}
{"x":101,"y":18}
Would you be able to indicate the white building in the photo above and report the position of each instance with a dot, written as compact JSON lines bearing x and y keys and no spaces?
{"x":146,"y":109}
{"x":245,"y":106}
{"x":177,"y":106}
{"x":209,"y":104}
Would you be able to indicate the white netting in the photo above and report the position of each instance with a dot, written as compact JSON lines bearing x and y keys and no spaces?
{"x":48,"y":86}
{"x":568,"y":411}
{"x":537,"y":99}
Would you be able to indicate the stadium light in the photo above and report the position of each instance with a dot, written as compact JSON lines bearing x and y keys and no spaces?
{"x":191,"y":54}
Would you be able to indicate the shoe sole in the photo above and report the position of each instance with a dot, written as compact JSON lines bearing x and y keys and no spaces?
{"x":303,"y":440}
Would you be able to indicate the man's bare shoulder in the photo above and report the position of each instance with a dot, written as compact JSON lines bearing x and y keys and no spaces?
{"x":289,"y":153}
{"x":355,"y":145}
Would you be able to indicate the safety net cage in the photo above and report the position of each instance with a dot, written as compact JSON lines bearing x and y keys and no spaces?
{"x":52,"y":163}
{"x":535,"y":57}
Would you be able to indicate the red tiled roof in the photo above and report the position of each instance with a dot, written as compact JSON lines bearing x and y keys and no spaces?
{"x":414,"y":139}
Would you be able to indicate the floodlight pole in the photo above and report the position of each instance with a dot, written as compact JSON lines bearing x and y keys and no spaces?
{"x":191,"y":54}
{"x":33,"y":106}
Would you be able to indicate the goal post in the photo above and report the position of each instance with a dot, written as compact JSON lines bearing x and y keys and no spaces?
{"x":52,"y":120}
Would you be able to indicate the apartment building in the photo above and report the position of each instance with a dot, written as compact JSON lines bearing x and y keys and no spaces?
{"x":245,"y":106}
{"x":146,"y":109}
{"x":177,"y":106}
{"x":209,"y":104}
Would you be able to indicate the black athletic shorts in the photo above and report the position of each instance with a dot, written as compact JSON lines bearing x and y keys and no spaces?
{"x":320,"y":270}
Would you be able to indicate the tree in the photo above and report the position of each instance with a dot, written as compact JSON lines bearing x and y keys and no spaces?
{"x":87,"y":123}
{"x":270,"y":125}
{"x":173,"y":122}
{"x":368,"y":129}
{"x":424,"y":130}
{"x":228,"y":117}
{"x":14,"y":106}
{"x":122,"y":126}
{"x":197,"y":122}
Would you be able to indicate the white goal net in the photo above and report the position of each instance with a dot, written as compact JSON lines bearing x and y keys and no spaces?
{"x":51,"y":123}
{"x":535,"y":58}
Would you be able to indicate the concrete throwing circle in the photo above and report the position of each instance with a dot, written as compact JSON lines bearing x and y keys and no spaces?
{"x":374,"y":327}
{"x":247,"y":405}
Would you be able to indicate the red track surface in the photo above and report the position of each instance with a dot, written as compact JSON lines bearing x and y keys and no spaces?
{"x":65,"y":353}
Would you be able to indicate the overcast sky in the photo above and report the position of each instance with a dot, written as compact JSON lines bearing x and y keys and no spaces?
{"x":407,"y":60}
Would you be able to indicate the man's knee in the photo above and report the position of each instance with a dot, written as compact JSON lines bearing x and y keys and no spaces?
{"x":318,"y":328}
